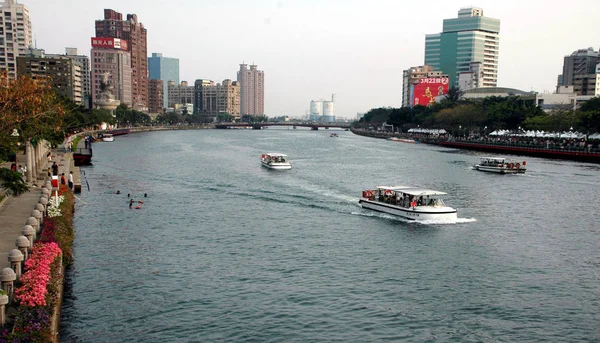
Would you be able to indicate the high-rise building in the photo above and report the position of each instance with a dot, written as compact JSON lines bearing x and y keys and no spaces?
{"x":166,"y":69}
{"x":110,"y":56}
{"x":15,"y":33}
{"x":198,"y":86}
{"x":84,"y":61}
{"x":412,"y":77}
{"x":64,"y":73}
{"x":471,"y":37}
{"x":252,"y":90}
{"x":180,"y":94}
{"x":135,"y":34}
{"x":156,"y":96}
{"x":221,"y":98}
{"x":580,"y":70}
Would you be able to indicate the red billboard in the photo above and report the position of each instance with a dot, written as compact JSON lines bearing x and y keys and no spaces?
{"x":429,"y":88}
{"x":109,"y":43}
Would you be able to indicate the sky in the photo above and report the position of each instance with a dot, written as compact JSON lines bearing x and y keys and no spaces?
{"x":310,"y":49}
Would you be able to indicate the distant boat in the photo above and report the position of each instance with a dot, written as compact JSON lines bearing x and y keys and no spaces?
{"x":275,"y":160}
{"x":402,"y":140}
{"x":117,"y":132}
{"x":333,"y":135}
{"x":500,"y":165}
{"x":107,"y":137}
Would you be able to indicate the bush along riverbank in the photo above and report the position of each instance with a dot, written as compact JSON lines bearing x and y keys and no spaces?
{"x":33,"y":315}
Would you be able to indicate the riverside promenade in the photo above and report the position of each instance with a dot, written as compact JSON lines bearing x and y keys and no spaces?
{"x":14,"y":211}
{"x":515,"y":148}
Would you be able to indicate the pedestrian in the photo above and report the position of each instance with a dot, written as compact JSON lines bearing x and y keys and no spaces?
{"x":63,"y":181}
{"x":13,"y":167}
{"x":49,"y":172}
{"x":22,"y":170}
{"x":71,"y":180}
{"x":49,"y":156}
{"x":86,"y":142}
{"x":54,"y":169}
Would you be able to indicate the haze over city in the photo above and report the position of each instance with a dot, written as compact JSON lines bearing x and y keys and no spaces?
{"x":310,"y":49}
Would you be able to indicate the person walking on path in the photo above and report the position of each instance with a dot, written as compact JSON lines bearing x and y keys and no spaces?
{"x":71,"y":180}
{"x":55,"y":169}
{"x":63,"y":181}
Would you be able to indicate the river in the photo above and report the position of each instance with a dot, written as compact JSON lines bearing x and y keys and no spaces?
{"x":223,"y":250}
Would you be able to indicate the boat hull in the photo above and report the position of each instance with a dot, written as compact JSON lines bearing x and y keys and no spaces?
{"x":416,"y":213}
{"x":402,"y":140}
{"x":277,"y":166}
{"x":498,"y":170}
{"x":108,"y":139}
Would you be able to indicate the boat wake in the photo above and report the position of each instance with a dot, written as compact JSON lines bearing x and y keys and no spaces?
{"x":446,"y":222}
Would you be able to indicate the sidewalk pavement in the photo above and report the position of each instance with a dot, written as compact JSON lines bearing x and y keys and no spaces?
{"x":14,"y":211}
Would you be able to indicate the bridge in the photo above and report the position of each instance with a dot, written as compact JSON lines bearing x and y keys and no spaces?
{"x":312,"y":125}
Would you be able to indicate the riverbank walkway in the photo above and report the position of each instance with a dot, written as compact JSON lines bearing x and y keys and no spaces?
{"x":14,"y":211}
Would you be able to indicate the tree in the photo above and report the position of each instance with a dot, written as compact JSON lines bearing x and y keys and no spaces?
{"x":591,"y":105}
{"x":454,"y":95}
{"x":13,"y":182}
{"x":32,"y":108}
{"x":225,"y":117}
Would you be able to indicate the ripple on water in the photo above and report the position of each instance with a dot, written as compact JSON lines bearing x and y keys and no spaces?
{"x":231,"y":252}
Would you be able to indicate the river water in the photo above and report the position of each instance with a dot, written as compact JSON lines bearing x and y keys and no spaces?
{"x":223,"y":250}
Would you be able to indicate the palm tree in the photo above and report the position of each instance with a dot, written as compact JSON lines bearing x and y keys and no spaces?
{"x":454,"y":95}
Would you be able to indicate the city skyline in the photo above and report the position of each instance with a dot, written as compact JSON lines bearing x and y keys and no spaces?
{"x":356,"y":49}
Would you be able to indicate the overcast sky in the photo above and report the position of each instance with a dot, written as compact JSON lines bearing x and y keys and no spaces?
{"x":310,"y":49}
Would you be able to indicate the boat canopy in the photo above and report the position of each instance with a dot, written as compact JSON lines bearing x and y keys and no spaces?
{"x":276,"y":154}
{"x":393,"y":188}
{"x":411,"y":190}
{"x":499,"y":159}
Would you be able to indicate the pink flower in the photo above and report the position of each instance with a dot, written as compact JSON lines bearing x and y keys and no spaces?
{"x":37,"y":274}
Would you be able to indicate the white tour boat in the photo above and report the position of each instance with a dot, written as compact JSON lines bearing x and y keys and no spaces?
{"x":500,"y":165}
{"x":275,"y":160}
{"x":107,"y":137}
{"x":402,"y":140}
{"x":408,"y":202}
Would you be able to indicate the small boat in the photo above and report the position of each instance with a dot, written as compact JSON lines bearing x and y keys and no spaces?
{"x":408,"y":202}
{"x":500,"y":165}
{"x":333,"y":134}
{"x":117,"y":132}
{"x":107,"y":137}
{"x":275,"y":160}
{"x":402,"y":140}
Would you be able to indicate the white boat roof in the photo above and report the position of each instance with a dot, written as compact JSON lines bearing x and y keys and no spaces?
{"x":411,"y":190}
{"x":496,"y":158}
{"x":276,"y":154}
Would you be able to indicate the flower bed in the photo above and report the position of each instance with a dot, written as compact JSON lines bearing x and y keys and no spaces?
{"x":34,"y":282}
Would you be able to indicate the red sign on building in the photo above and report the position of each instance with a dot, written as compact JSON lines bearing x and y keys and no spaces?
{"x":109,"y":43}
{"x":428,"y":89}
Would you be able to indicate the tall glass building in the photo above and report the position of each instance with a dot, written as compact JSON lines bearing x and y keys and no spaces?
{"x":469,"y":38}
{"x":166,"y":69}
